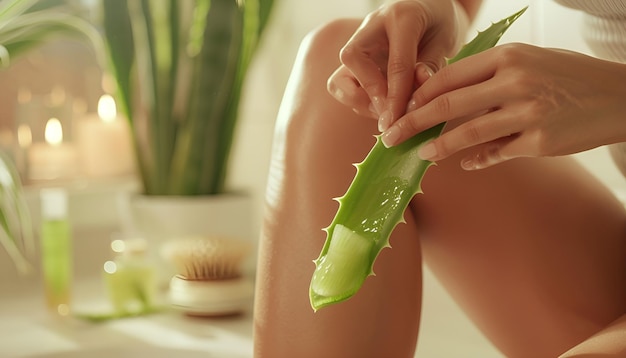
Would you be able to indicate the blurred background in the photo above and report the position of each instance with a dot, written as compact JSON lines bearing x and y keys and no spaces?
{"x":63,"y":78}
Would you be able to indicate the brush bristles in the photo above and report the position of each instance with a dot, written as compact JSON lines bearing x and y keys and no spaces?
{"x":207,"y":258}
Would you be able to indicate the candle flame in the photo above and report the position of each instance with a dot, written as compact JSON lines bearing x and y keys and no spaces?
{"x":53,"y":132}
{"x":107,"y":110}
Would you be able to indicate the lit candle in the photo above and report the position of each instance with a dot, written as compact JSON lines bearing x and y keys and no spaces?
{"x":53,"y":159}
{"x":104,"y":142}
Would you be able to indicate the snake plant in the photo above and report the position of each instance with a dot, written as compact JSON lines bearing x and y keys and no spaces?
{"x":375,"y":202}
{"x":180,"y":68}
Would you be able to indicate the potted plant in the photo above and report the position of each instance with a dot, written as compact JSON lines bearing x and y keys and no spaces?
{"x":23,"y":25}
{"x":180,"y":67}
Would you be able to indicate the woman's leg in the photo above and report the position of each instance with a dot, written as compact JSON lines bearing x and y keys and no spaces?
{"x":316,"y":141}
{"x":534,"y":250}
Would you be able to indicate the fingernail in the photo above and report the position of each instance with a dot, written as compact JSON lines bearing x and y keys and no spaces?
{"x":429,"y":71}
{"x":427,"y":151}
{"x":391,"y":136}
{"x":378,"y":104}
{"x":411,"y":106}
{"x":468,"y":164}
{"x":338,"y":93}
{"x":423,"y":72}
{"x":384,"y":121}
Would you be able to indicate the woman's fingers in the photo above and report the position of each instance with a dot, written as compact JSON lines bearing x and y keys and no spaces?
{"x":531,"y":101}
{"x":346,"y":89}
{"x":451,"y":106}
{"x":380,"y":57}
{"x":382,"y":53}
{"x":405,"y":27}
{"x":365,"y":57}
{"x":498,"y":151}
{"x":459,"y":90}
{"x":487,"y":155}
{"x":484,"y":128}
{"x":469,"y":71}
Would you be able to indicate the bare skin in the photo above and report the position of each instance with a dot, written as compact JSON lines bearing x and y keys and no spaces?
{"x":299,"y":204}
{"x":607,"y":343}
{"x":534,"y":102}
{"x":533,"y":249}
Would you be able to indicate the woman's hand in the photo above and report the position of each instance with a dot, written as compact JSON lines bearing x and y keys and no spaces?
{"x":377,"y":75}
{"x":523,"y":101}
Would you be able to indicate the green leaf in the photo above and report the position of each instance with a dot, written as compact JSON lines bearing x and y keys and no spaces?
{"x":375,"y":202}
{"x":16,"y":234}
{"x":189,"y":68}
{"x":121,"y":48}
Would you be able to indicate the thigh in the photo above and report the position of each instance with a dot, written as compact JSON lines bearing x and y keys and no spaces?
{"x":316,"y":142}
{"x":534,"y":250}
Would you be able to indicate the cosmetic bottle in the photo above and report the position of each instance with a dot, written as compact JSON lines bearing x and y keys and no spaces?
{"x":130,"y":277}
{"x":56,"y":250}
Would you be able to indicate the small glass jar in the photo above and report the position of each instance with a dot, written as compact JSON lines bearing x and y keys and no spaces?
{"x":130,"y":277}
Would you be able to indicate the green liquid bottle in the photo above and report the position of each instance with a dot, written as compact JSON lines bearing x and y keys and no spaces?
{"x":56,"y":250}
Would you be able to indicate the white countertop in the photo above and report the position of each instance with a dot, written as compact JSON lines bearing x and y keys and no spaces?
{"x":27,"y":329}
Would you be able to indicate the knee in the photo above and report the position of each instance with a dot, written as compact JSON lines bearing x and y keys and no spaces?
{"x":317,"y":59}
{"x":307,"y":110}
{"x":321,"y":46}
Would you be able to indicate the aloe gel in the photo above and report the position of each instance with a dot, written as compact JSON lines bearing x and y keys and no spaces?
{"x":375,"y":202}
{"x":345,"y":266}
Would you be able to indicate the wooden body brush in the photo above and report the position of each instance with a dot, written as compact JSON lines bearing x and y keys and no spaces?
{"x":209,"y":279}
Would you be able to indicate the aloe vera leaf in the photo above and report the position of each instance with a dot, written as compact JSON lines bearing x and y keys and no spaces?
{"x":375,"y":202}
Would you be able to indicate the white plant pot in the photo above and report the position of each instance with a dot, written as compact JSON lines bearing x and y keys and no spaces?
{"x":159,"y":219}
